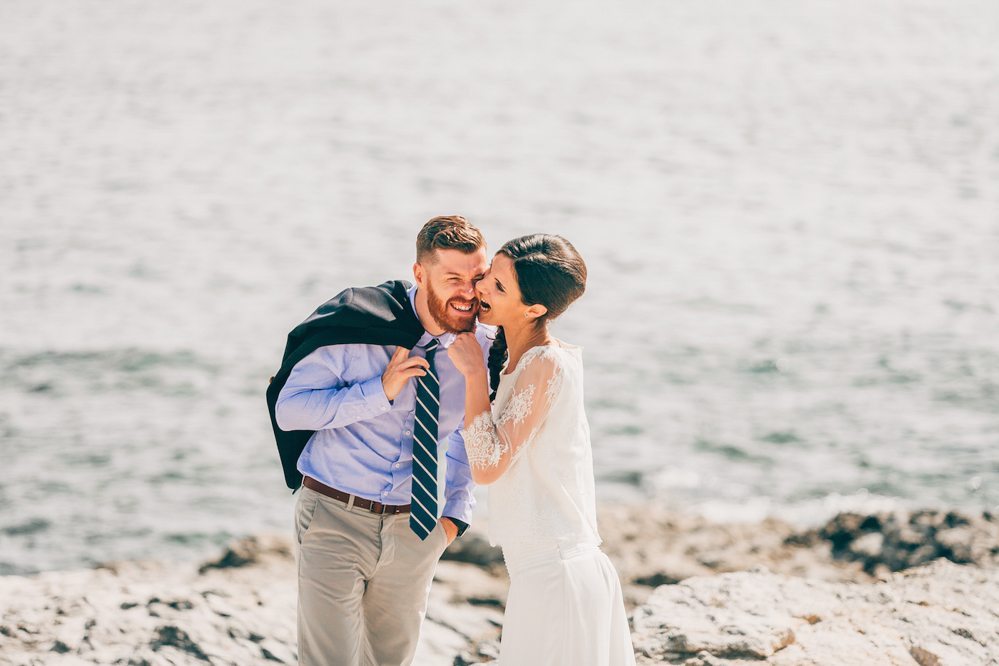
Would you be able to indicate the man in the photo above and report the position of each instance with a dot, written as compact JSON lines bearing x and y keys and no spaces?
{"x":369,"y":373}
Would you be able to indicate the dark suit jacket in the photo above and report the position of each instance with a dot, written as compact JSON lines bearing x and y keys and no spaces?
{"x":379,"y":315}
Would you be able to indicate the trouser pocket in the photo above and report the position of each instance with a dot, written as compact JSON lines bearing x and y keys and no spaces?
{"x":305,"y":511}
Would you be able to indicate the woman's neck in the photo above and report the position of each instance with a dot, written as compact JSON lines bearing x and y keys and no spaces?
{"x":521,"y":338}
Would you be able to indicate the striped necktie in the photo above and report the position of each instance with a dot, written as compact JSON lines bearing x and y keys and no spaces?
{"x":423,"y":509}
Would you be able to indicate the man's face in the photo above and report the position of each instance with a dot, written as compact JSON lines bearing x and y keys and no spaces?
{"x":448,"y":279}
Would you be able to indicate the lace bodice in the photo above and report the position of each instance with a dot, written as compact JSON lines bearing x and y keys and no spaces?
{"x":546,"y":493}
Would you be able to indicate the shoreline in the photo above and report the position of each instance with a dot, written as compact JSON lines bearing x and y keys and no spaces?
{"x":240,"y":607}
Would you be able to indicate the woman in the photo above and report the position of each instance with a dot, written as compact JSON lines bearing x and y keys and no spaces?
{"x":533,"y":446}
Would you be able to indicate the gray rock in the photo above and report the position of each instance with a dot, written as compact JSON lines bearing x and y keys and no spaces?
{"x":473,"y":548}
{"x":926,"y":614}
{"x":898,"y":540}
{"x":869,"y":545}
{"x":251,"y":550}
{"x":795,"y":609}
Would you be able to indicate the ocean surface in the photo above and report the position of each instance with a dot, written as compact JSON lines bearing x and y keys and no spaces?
{"x":790,"y":212}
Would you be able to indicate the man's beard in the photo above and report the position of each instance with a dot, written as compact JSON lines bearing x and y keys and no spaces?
{"x":446,"y":317}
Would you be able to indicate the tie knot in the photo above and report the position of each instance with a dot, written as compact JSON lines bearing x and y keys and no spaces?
{"x":432,"y":345}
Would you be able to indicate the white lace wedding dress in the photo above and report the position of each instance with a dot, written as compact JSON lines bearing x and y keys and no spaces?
{"x":565,"y":604}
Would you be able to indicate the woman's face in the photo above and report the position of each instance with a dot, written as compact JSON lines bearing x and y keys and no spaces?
{"x":499,"y":294}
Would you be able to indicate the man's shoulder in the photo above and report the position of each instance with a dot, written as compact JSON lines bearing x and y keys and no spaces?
{"x":379,"y":315}
{"x":366,"y":300}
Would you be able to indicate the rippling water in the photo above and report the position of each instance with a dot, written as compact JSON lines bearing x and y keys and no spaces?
{"x":790,"y":212}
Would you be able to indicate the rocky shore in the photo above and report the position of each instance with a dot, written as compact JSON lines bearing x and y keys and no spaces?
{"x":917,"y":588}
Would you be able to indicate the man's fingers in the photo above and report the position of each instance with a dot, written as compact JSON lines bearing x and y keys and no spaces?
{"x":405,"y":367}
{"x":398,"y":356}
{"x":414,"y":361}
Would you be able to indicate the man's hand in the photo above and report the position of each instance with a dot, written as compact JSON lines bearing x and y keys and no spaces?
{"x":450,"y":529}
{"x":401,"y":368}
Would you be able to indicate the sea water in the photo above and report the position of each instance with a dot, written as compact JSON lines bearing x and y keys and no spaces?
{"x":789,"y":210}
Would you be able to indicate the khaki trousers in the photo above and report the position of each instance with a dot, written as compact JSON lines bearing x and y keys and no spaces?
{"x":363,"y":583}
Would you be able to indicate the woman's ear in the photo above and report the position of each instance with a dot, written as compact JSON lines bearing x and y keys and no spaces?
{"x":535,"y":311}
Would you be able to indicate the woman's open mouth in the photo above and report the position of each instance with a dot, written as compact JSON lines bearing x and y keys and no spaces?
{"x":485,"y":307}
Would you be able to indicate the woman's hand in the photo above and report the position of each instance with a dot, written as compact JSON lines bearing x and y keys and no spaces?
{"x":466,"y":354}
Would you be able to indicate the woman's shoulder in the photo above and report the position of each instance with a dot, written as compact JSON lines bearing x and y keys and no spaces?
{"x":556,"y":354}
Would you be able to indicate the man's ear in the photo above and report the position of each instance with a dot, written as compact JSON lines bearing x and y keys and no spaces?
{"x":418,"y":274}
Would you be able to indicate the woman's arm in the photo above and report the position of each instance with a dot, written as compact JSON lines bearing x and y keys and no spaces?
{"x":491,"y":446}
{"x":479,"y":445}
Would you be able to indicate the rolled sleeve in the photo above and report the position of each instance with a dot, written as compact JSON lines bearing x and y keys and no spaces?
{"x":459,"y":500}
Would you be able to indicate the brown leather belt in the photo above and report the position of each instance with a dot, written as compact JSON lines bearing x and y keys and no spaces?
{"x":369,"y":505}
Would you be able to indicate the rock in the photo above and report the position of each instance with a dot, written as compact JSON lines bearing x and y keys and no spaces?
{"x":897,"y":541}
{"x":173,"y":636}
{"x":718,"y":617}
{"x":703,"y":658}
{"x":651,"y":547}
{"x":485,"y":653}
{"x":707,"y":594}
{"x":456,"y":624}
{"x":60,"y":647}
{"x":459,"y":582}
{"x":277,"y":652}
{"x":869,"y":545}
{"x":149,"y":613}
{"x":473,"y":548}
{"x":924,"y":614}
{"x":252,"y":550}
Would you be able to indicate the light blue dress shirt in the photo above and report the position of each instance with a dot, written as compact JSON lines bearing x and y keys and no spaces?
{"x":363,"y":443}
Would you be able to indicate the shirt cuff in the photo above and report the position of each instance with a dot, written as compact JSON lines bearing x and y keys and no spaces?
{"x":460,"y":512}
{"x":460,"y":524}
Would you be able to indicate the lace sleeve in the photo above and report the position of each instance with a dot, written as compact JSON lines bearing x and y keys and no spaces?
{"x":495,"y":444}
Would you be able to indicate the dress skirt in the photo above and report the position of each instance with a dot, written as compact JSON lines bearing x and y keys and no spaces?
{"x":564,"y":607}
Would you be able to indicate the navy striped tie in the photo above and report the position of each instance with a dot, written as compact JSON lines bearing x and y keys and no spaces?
{"x":423,"y":510}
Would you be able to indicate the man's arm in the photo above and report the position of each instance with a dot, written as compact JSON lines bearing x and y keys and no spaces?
{"x":315,"y":397}
{"x":458,"y":498}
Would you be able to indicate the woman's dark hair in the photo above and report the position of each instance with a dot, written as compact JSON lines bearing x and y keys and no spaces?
{"x":550,"y":272}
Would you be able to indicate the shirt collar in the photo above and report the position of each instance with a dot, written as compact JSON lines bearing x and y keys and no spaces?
{"x":445,"y":338}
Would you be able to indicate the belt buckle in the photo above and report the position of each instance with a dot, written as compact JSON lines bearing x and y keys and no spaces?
{"x":377,"y":507}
